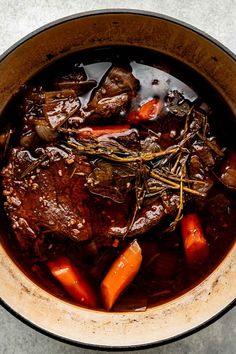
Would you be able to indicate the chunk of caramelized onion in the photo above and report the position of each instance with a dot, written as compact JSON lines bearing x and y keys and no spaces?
{"x":46,"y":133}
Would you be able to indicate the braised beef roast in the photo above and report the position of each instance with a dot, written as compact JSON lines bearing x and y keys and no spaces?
{"x":49,"y":198}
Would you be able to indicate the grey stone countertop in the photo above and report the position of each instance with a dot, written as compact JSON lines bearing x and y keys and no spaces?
{"x":18,"y":18}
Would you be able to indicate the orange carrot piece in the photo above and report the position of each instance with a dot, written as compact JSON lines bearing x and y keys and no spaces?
{"x":150,"y":109}
{"x":147,"y":111}
{"x":121,"y":274}
{"x":95,"y":132}
{"x":73,"y":282}
{"x":195,"y":244}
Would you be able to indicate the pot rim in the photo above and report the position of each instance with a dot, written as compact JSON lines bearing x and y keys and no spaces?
{"x":115,"y":11}
{"x":89,"y":14}
{"x":156,"y":344}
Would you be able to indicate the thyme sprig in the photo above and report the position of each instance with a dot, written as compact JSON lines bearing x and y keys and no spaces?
{"x":166,"y":170}
{"x":114,"y":155}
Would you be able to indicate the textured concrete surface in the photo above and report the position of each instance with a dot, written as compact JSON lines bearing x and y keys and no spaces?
{"x":18,"y":18}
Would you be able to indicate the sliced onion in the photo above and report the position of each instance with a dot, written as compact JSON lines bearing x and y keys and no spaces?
{"x":46,"y":133}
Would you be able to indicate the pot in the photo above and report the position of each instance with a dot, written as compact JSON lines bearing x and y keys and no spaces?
{"x":174,"y":318}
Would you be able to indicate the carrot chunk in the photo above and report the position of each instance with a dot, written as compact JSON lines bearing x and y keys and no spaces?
{"x":95,"y":132}
{"x":73,"y":282}
{"x":121,"y":274}
{"x":195,"y":244}
{"x":147,"y":111}
{"x":150,"y":109}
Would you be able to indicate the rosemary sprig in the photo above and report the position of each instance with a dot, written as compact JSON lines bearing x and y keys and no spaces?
{"x":112,"y":155}
{"x":174,"y":177}
{"x":174,"y":185}
{"x":180,"y":209}
{"x":140,"y":193}
{"x":33,"y":165}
